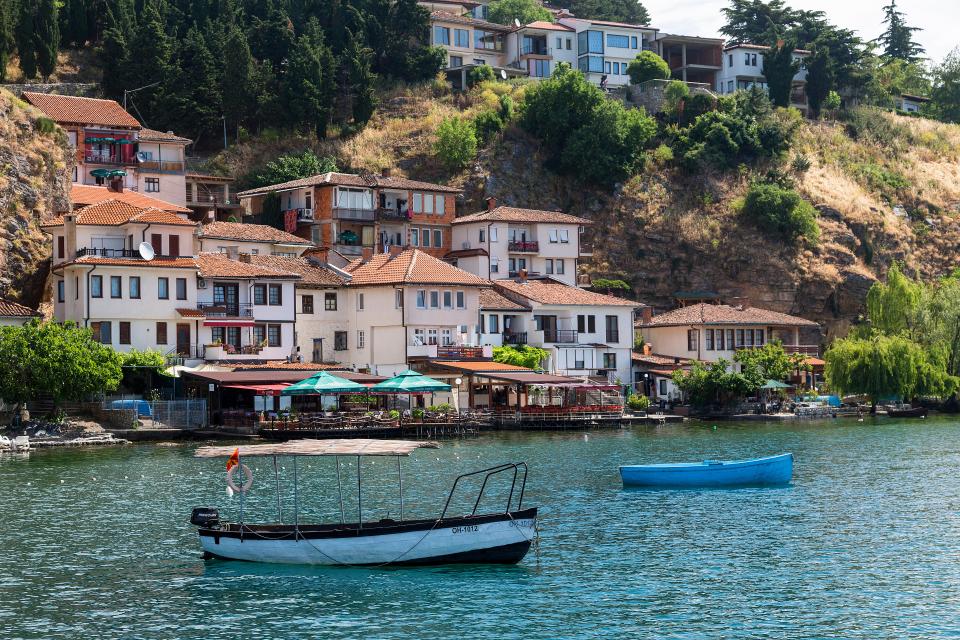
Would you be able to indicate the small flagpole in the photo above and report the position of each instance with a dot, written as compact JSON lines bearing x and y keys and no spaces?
{"x":242,"y":496}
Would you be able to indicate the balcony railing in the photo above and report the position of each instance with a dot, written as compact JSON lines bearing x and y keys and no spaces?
{"x":514,"y":274}
{"x":560,"y":335}
{"x":386,"y":213}
{"x":174,"y":166}
{"x":515,"y":338}
{"x":226,"y":309}
{"x":459,"y":352}
{"x":305,"y":215}
{"x":804,"y":349}
{"x":524,"y":246}
{"x":106,"y":158}
{"x":342,"y":213}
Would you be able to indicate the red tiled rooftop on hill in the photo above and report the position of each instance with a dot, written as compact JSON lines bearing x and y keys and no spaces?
{"x":11,"y":309}
{"x":153,"y":135}
{"x":83,"y":195}
{"x":554,"y":292}
{"x":116,"y":212}
{"x":311,"y":275}
{"x":704,"y":313}
{"x":218,"y":265}
{"x":520,"y":215}
{"x":250,"y":233}
{"x":157,"y":263}
{"x":493,"y":300}
{"x":410,"y":266}
{"x":77,"y":110}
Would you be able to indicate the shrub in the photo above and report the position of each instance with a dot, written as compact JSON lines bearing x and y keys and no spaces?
{"x":45,"y":125}
{"x":800,"y":164}
{"x":832,"y":103}
{"x":780,"y":210}
{"x":487,"y":124}
{"x":456,"y":142}
{"x":648,"y":66}
{"x":638,"y":402}
{"x":507,"y":110}
{"x":480,"y":73}
{"x":290,"y":166}
{"x":697,"y":105}
{"x":674,"y":94}
{"x":526,"y":11}
{"x":662,"y":154}
{"x":608,"y":148}
{"x":887,"y":182}
{"x":558,"y":106}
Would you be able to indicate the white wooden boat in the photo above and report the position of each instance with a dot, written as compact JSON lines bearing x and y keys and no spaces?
{"x":501,"y":537}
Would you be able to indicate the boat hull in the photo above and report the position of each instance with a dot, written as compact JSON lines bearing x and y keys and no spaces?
{"x":761,"y":471}
{"x":916,"y":412}
{"x":494,"y":539}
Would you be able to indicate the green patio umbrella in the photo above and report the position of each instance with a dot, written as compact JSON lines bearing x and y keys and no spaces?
{"x":410,"y":381}
{"x":775,"y":384}
{"x":323,"y":383}
{"x":100,"y":173}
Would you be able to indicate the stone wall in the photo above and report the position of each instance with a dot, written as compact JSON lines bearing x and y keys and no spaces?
{"x":82,"y":89}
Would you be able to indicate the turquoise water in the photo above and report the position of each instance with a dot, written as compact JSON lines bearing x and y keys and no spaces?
{"x":862,"y":545}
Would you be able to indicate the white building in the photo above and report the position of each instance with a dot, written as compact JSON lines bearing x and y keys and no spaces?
{"x":503,"y":241}
{"x":605,"y":49}
{"x":14,"y":314}
{"x":537,"y":48}
{"x":742,"y":68}
{"x":256,"y":239}
{"x":161,"y":165}
{"x":586,"y":333}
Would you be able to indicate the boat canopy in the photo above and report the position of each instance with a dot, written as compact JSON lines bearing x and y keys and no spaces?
{"x":341,"y":447}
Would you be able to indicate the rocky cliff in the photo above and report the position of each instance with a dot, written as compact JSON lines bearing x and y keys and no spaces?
{"x":35,"y":169}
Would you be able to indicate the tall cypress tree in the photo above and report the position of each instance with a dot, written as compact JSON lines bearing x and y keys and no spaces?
{"x":897,"y":40}
{"x":6,"y":40}
{"x":238,"y":78}
{"x":357,"y":57}
{"x":23,"y":37}
{"x":149,"y":59}
{"x":192,"y":98}
{"x":113,"y":54}
{"x":779,"y":68}
{"x":303,"y":89}
{"x":820,"y":78}
{"x":46,"y":37}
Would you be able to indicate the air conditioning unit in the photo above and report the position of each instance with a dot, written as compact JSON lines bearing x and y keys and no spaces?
{"x":201,"y":283}
{"x":465,"y":245}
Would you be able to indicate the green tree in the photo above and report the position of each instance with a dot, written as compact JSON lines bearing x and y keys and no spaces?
{"x":609,"y":285}
{"x":239,"y":70}
{"x":629,"y":11}
{"x":521,"y":356}
{"x":6,"y":38}
{"x":648,"y":66}
{"x":74,"y":23}
{"x":526,"y":11}
{"x":897,"y":39}
{"x":754,"y":21}
{"x":456,"y":142}
{"x":192,"y":95}
{"x":292,"y":166}
{"x":945,"y":96}
{"x":305,"y":88}
{"x":892,"y":306}
{"x":46,"y":37}
{"x":150,"y":55}
{"x":361,"y":80}
{"x":487,"y":124}
{"x":480,"y":73}
{"x":556,"y":107}
{"x":24,"y":38}
{"x":772,"y":362}
{"x":614,"y":139}
{"x":58,"y":359}
{"x":781,"y":210}
{"x":707,"y":384}
{"x":113,"y":55}
{"x":779,"y":68}
{"x":820,"y":79}
{"x":833,"y":102}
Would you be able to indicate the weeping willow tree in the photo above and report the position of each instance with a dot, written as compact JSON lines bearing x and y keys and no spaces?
{"x":893,"y":306}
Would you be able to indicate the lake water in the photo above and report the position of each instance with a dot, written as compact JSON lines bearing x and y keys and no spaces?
{"x":863,"y":544}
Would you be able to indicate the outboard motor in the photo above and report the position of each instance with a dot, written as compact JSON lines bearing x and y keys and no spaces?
{"x":205,"y":517}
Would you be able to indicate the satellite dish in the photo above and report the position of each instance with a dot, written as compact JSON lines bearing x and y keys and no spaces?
{"x":516,"y":23}
{"x":141,"y":156}
{"x":146,"y":251}
{"x":503,"y":73}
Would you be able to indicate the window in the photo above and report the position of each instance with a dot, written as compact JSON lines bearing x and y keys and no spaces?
{"x":124,"y":333}
{"x":61,"y":291}
{"x":273,"y":335}
{"x":554,"y":236}
{"x":569,"y":44}
{"x":748,"y":334}
{"x":579,"y":361}
{"x":494,"y":265}
{"x":275,"y":297}
{"x":586,"y":324}
{"x":441,"y":35}
{"x":729,"y":86}
{"x":609,"y":361}
{"x":606,"y":67}
{"x":494,"y":326}
{"x":549,"y":266}
{"x":425,"y":238}
{"x":564,"y":236}
{"x":729,"y":339}
{"x":446,"y":337}
{"x":493,"y":234}
{"x":181,"y":288}
{"x":560,"y":269}
{"x":163,"y":288}
{"x":135,"y":287}
{"x":613,"y":329}
{"x":719,"y":340}
{"x":633,"y":42}
{"x":747,"y":59}
{"x":708,"y":339}
{"x":173,"y":246}
{"x":559,"y":42}
{"x":461,"y":37}
{"x":417,"y":202}
{"x":419,"y":337}
{"x":759,"y":337}
{"x":441,"y":207}
{"x":96,"y":286}
{"x":590,"y":42}
{"x":539,"y":68}
{"x":414,"y":237}
{"x":448,"y":299}
{"x":315,"y":235}
{"x":428,"y":203}
{"x":461,"y":300}
{"x":581,"y":324}
{"x":161,"y":333}
{"x":590,"y":64}
{"x":437,"y":238}
{"x":663,"y":387}
{"x":693,"y":340}
{"x":330,"y":301}
{"x":259,"y":334}
{"x":398,"y":298}
{"x":455,"y":61}
{"x":361,"y":339}
{"x":353,"y":198}
{"x":434,"y":299}
{"x":739,"y":338}
{"x":306,"y":304}
{"x":421,"y":299}
{"x":116,"y":286}
{"x":483,"y":236}
{"x":152,"y":186}
{"x":730,"y":60}
{"x":259,"y":294}
{"x":616,"y":68}
{"x":339,"y":340}
{"x":359,"y":302}
{"x":487,"y":40}
{"x":60,"y":249}
{"x":102,"y":332}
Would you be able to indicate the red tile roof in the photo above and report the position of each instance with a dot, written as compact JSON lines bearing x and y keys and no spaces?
{"x":704,"y":313}
{"x":156,"y":263}
{"x":207,"y":176}
{"x":495,"y":301}
{"x":410,"y":266}
{"x":311,"y":275}
{"x":191,"y":313}
{"x":153,"y":135}
{"x":516,"y":214}
{"x":351,"y":180}
{"x":116,"y":212}
{"x":84,"y":194}
{"x":548,"y":26}
{"x":74,"y":110}
{"x":475,"y":366}
{"x":218,"y":265}
{"x":446,"y":16}
{"x":250,"y":233}
{"x":11,"y":309}
{"x":553,"y":292}
{"x":657,"y":359}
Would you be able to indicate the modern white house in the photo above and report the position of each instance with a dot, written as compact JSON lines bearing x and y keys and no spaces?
{"x":910,"y":103}
{"x":501,"y":242}
{"x":742,"y":68}
{"x":605,"y":49}
{"x":537,"y":48}
{"x":587,"y":334}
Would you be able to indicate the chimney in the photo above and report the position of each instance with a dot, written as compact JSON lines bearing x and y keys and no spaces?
{"x":320,"y":255}
{"x":647,"y":349}
{"x":69,"y":236}
{"x":395,"y":250}
{"x":387,"y":172}
{"x":115,"y":185}
{"x":366,"y":253}
{"x":522,"y":275}
{"x":740,"y":302}
{"x":491,"y":203}
{"x":646,"y":315}
{"x":245,"y":257}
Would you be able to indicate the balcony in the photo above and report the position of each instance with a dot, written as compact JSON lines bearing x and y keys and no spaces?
{"x":524,"y":246}
{"x":804,"y":349}
{"x":515,"y":338}
{"x":162,"y":166}
{"x":247,"y":352}
{"x":342,"y":213}
{"x":387,"y":214}
{"x":304,"y":215}
{"x":449,"y":352}
{"x":106,"y":158}
{"x":350,"y":249}
{"x":225,"y":309}
{"x":563,"y":336}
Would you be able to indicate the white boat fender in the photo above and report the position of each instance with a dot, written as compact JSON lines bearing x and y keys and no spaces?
{"x":247,"y":476}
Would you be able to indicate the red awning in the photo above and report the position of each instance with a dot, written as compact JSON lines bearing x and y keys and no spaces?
{"x":228,"y":323}
{"x":260,"y":389}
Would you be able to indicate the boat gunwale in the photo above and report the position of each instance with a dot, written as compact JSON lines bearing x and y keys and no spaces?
{"x":717,"y":465}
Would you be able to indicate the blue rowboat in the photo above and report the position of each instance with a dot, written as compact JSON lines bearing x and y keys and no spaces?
{"x":711,"y":473}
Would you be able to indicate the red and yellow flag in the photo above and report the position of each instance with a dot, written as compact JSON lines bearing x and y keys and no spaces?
{"x":234,"y":459}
